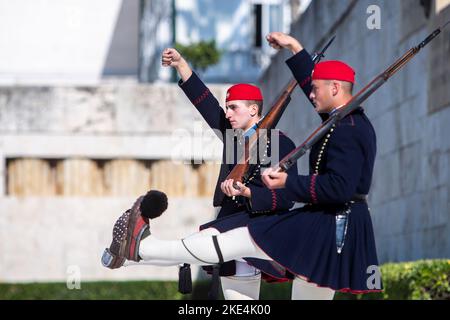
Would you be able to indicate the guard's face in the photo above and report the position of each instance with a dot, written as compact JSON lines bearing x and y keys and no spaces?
{"x":321,"y":95}
{"x":239,"y":114}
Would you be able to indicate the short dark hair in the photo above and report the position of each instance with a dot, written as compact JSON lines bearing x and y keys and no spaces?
{"x":348,"y":86}
{"x":259,"y":103}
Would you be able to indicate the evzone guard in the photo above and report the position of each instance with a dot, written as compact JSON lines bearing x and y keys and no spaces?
{"x":327,"y":245}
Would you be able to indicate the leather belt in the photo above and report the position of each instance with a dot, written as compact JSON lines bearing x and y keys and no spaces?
{"x":359,"y":197}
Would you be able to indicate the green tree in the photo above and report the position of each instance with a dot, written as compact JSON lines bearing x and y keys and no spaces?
{"x":200,"y":55}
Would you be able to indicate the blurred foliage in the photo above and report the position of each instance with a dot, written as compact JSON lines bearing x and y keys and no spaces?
{"x":200,"y":55}
{"x":129,"y":290}
{"x":419,"y":280}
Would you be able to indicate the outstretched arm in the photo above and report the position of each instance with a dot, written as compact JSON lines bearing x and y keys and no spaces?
{"x":197,"y":92}
{"x":172,"y":58}
{"x":300,"y":63}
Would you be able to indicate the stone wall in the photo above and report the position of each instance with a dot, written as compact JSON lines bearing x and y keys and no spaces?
{"x":44,"y":230}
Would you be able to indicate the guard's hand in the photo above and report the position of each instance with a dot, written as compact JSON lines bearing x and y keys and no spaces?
{"x":279,"y":40}
{"x":229,"y":190}
{"x":274,"y":179}
{"x":171,"y":58}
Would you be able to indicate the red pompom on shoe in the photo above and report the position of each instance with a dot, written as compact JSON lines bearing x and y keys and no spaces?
{"x":132,"y":227}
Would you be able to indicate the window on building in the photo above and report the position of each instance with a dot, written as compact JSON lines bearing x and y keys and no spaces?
{"x":268,"y":16}
{"x":258,"y":27}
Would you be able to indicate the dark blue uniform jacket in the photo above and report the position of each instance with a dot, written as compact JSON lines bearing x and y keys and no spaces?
{"x":341,"y":164}
{"x":263,"y":200}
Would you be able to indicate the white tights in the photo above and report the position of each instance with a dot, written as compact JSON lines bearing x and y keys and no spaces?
{"x":241,"y":287}
{"x":303,"y":290}
{"x":198,"y":249}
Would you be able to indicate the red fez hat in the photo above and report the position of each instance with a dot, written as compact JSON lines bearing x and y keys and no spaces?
{"x":333,"y":70}
{"x":244,"y":91}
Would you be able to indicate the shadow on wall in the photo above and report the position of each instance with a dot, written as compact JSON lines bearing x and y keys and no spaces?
{"x":122,"y":58}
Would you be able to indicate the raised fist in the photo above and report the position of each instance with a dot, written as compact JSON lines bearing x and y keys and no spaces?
{"x":171,"y":58}
{"x":279,"y":40}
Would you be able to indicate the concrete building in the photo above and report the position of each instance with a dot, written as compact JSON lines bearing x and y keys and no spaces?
{"x":50,"y":42}
{"x":83,"y":42}
{"x":81,"y":137}
{"x":74,"y":158}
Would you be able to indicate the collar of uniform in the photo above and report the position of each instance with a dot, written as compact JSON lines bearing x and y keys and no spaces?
{"x":335,"y":110}
{"x":247,"y":134}
{"x":251,"y":131}
{"x":359,"y":109}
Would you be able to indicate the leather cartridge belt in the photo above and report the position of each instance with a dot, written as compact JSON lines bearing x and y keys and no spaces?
{"x":357,"y":197}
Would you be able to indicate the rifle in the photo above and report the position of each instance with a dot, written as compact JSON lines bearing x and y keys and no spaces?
{"x":353,"y":104}
{"x":269,"y":121}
